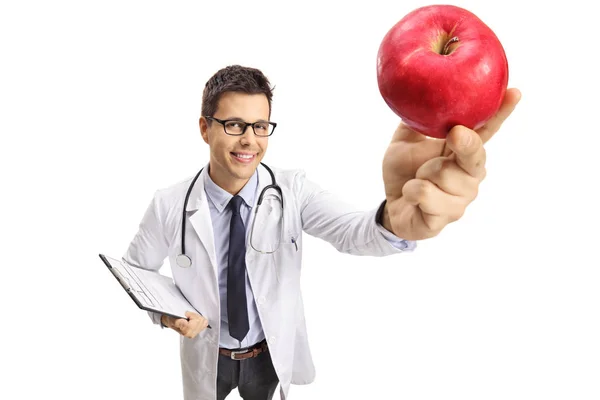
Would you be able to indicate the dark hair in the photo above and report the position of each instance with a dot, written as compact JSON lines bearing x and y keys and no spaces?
{"x":234,"y":78}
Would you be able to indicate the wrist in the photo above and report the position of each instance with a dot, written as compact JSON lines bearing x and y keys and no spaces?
{"x":383,"y":217}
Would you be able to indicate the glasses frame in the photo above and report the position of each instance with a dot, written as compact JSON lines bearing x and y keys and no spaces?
{"x":246,"y":125}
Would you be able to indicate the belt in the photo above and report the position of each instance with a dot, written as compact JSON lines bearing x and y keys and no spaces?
{"x":248,"y":352}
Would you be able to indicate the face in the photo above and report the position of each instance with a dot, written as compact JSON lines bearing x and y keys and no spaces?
{"x":233,"y":159}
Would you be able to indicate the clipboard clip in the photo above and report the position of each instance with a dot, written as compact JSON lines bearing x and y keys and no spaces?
{"x":122,"y":280}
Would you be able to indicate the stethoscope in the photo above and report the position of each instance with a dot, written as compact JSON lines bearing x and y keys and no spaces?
{"x":185,"y":261}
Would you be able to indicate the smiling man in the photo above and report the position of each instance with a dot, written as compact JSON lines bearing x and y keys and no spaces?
{"x":248,"y":285}
{"x":235,"y":155}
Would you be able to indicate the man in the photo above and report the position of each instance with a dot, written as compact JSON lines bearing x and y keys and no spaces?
{"x":243,"y":271}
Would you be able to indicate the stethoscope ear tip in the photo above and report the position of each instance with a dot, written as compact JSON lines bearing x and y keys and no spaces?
{"x":183,"y":261}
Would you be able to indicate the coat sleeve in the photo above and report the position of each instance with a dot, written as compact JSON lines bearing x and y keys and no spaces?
{"x":149,"y":246}
{"x":349,"y":230}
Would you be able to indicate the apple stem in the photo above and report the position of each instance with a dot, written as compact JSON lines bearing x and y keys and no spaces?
{"x":446,"y":49}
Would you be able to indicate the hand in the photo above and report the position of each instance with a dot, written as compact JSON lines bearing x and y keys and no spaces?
{"x":188,"y":328}
{"x":430,"y":182}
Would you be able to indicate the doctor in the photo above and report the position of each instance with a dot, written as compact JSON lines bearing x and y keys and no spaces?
{"x":235,"y":248}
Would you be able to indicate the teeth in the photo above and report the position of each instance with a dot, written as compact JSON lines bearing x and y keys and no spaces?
{"x":247,"y":156}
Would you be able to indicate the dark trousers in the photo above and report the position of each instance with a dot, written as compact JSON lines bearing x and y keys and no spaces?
{"x":254,"y":377}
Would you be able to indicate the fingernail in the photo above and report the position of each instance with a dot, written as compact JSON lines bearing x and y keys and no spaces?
{"x":465,"y":139}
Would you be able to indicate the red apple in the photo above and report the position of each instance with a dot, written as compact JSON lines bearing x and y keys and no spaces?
{"x":441,"y":66}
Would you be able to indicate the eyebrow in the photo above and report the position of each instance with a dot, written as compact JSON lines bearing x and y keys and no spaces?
{"x":242,"y":120}
{"x":232,"y":118}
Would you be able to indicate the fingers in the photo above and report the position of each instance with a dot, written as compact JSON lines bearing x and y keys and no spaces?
{"x":468,"y":150}
{"x":439,"y":207}
{"x":198,"y":323}
{"x":405,"y":134}
{"x":190,"y":327}
{"x":174,"y":323}
{"x":511,"y":99}
{"x":449,"y":177}
{"x":178,"y":324}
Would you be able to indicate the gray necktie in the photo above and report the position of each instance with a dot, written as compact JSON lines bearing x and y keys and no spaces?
{"x":237,"y":310}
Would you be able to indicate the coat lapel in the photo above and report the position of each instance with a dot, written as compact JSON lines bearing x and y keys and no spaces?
{"x":260,"y":266}
{"x":264,"y":179}
{"x":199,"y":215}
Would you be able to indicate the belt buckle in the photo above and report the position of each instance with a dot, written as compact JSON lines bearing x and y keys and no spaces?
{"x":234,"y":352}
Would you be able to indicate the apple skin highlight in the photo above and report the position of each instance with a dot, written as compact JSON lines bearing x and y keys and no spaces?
{"x":441,"y":66}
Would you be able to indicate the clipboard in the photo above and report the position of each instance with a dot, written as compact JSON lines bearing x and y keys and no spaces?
{"x":149,"y":290}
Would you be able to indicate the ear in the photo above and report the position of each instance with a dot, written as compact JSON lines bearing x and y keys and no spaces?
{"x":204,"y":129}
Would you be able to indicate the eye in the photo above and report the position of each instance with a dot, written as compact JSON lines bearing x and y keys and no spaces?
{"x":233,"y":124}
{"x":263,"y":126}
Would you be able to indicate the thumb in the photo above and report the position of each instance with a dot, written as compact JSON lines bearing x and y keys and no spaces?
{"x":192,"y":315}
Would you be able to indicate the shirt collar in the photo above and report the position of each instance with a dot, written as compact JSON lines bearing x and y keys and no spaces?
{"x":220,"y":197}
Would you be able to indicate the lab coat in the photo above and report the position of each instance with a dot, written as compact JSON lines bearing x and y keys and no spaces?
{"x":274,"y":278}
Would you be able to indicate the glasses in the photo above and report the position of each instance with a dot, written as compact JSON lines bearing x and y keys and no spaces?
{"x":235,"y":127}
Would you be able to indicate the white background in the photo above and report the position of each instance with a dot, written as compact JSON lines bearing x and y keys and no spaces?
{"x":99,"y":104}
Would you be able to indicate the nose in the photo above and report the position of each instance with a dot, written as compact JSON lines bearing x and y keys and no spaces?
{"x":248,"y":138}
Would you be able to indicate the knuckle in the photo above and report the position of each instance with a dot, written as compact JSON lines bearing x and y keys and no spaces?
{"x":437,"y":164}
{"x":446,"y":163}
{"x":458,"y":214}
{"x":475,"y":193}
{"x":435,"y":226}
{"x":481,"y":159}
{"x":472,"y":194}
{"x":424,"y":189}
{"x":483,"y":174}
{"x":417,"y":190}
{"x":446,"y":171}
{"x":468,"y":194}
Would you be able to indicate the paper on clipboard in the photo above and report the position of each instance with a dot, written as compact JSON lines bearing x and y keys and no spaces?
{"x":149,"y":289}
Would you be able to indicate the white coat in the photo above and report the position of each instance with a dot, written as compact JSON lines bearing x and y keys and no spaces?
{"x":275,"y":278}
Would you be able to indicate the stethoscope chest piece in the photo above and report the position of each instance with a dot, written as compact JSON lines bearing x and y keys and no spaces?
{"x":183,"y":261}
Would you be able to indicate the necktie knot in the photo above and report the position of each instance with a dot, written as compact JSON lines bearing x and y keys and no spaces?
{"x":234,"y":204}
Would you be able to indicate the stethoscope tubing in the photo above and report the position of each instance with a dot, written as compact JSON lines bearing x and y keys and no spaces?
{"x":184,"y":260}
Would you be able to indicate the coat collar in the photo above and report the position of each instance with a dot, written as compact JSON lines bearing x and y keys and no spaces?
{"x":200,"y":213}
{"x":220,"y":198}
{"x":198,"y":195}
{"x":199,"y":217}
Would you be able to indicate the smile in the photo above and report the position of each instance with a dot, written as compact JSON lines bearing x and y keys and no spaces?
{"x":243,"y":157}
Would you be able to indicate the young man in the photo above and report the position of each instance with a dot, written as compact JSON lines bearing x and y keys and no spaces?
{"x":242,"y":271}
